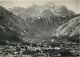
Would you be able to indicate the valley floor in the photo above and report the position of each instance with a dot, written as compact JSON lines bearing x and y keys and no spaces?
{"x":30,"y":56}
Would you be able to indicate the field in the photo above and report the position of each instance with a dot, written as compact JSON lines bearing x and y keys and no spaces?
{"x":16,"y":56}
{"x":29,"y":56}
{"x":19,"y":56}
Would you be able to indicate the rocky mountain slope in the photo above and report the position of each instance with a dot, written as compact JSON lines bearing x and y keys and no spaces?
{"x":11,"y":26}
{"x":70,"y":28}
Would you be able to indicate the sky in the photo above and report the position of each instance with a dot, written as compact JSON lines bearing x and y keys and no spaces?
{"x":70,"y":4}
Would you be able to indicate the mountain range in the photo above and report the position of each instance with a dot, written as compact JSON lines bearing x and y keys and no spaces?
{"x":33,"y":23}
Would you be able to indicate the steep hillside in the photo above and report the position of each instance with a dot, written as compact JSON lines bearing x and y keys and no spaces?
{"x":8,"y":35}
{"x":11,"y":27}
{"x":70,"y":28}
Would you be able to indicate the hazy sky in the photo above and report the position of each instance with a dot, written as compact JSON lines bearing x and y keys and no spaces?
{"x":70,"y":4}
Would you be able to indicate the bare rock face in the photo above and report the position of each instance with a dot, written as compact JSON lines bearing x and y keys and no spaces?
{"x":46,"y":11}
{"x":70,"y":28}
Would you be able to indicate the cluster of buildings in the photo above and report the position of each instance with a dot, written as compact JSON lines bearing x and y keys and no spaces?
{"x":45,"y":47}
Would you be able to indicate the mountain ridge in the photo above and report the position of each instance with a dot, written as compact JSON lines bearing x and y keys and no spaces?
{"x":11,"y":25}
